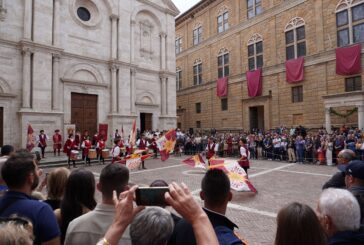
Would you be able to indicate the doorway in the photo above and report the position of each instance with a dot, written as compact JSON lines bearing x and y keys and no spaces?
{"x":145,"y":121}
{"x":84,"y":112}
{"x":256,"y":117}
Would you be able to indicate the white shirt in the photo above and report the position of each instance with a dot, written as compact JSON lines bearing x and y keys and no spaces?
{"x":243,"y":152}
{"x":92,"y":226}
{"x":276,"y":142}
{"x":115,"y":151}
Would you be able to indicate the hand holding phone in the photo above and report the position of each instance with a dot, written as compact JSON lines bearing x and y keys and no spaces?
{"x":151,"y":196}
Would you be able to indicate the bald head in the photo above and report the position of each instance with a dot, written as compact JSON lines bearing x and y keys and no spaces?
{"x":345,"y":156}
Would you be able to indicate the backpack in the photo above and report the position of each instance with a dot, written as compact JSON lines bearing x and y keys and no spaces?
{"x":228,"y":237}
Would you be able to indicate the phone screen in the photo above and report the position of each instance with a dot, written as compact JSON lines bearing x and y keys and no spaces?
{"x":151,"y":196}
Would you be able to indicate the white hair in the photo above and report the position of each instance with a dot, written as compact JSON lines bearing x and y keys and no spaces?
{"x":342,"y":207}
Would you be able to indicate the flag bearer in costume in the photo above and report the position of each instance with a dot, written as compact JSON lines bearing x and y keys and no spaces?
{"x":57,"y":142}
{"x":244,"y":153}
{"x":210,"y":149}
{"x":42,"y":141}
{"x":153,"y":145}
{"x":70,"y":145}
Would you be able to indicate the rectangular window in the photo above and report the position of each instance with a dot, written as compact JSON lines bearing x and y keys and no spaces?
{"x":255,"y":55}
{"x":223,"y":22}
{"x":197,"y":35}
{"x":295,"y":43}
{"x":353,"y":84}
{"x":297,"y":94}
{"x":178,"y":45}
{"x":224,"y":104}
{"x":198,"y":108}
{"x":198,"y":124}
{"x":197,"y":74}
{"x":178,"y":80}
{"x":343,"y":38}
{"x":223,"y":65}
{"x":254,"y":8}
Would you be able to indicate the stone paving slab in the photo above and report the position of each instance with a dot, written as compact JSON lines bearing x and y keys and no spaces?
{"x":278,"y":184}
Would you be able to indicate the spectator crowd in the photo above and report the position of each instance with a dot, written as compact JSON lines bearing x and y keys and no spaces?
{"x":69,"y":214}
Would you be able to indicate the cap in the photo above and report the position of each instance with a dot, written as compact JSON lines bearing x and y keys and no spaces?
{"x":354,"y":168}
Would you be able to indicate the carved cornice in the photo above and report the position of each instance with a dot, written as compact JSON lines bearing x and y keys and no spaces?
{"x":28,"y":44}
{"x":80,"y":83}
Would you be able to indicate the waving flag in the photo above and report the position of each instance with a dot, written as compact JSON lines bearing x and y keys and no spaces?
{"x":122,"y":131}
{"x":132,"y":139}
{"x":166,"y":144}
{"x":134,"y":161}
{"x":195,"y":161}
{"x":30,"y":138}
{"x":238,"y":178}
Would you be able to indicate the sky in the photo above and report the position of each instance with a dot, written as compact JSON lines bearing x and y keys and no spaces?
{"x":184,"y":5}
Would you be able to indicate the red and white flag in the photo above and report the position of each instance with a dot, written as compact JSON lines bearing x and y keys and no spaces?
{"x":195,"y":161}
{"x":237,"y":175}
{"x":166,"y":144}
{"x":133,"y":162}
{"x":30,"y":138}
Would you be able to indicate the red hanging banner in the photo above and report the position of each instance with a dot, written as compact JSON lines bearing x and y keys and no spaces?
{"x":222,"y":87}
{"x":348,"y":60}
{"x":295,"y":70}
{"x":103,"y":131}
{"x":254,"y":82}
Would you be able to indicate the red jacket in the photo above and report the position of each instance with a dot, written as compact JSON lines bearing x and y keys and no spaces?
{"x":87,"y":147}
{"x":69,"y":146}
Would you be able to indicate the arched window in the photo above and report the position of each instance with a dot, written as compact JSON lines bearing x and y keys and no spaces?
{"x":350,"y":22}
{"x":223,"y":63}
{"x":255,"y":52}
{"x":178,"y":78}
{"x":295,"y":38}
{"x":197,"y":72}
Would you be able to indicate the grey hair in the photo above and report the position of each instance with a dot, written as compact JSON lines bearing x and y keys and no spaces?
{"x":342,"y":207}
{"x":152,"y":226}
{"x":347,"y":154}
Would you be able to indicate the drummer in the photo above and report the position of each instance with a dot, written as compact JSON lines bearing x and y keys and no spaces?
{"x":142,"y":144}
{"x":115,"y":152}
{"x":100,"y":145}
{"x":86,"y":146}
{"x":70,"y":145}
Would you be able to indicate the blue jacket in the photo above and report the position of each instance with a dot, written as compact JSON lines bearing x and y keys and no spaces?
{"x":347,"y":238}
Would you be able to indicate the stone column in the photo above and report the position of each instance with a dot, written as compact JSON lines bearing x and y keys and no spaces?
{"x":327,"y":120}
{"x":361,"y":117}
{"x":163,"y":36}
{"x":132,"y":90}
{"x":26,"y":88}
{"x":28,"y":12}
{"x":132,"y":41}
{"x":114,"y":35}
{"x":163,"y":95}
{"x":56,"y":33}
{"x":113,"y":89}
{"x":55,"y":87}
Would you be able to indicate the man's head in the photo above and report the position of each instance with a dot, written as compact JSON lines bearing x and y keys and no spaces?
{"x":338,"y":210}
{"x":215,"y":190}
{"x":152,"y":226}
{"x":345,"y":156}
{"x":113,"y":177}
{"x":20,"y":172}
{"x":6,"y":150}
{"x":354,"y":173}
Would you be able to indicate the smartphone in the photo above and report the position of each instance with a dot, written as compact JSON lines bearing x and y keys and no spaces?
{"x":151,"y":196}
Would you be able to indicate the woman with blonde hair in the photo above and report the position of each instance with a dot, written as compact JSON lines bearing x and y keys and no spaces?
{"x":56,"y":183}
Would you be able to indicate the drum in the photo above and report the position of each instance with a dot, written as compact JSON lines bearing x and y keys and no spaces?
{"x":74,"y":155}
{"x":92,"y":154}
{"x":105,"y":153}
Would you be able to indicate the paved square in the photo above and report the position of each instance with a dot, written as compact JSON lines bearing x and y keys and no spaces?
{"x":278,"y":184}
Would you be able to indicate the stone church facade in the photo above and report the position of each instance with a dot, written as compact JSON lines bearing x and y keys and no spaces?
{"x":231,"y":37}
{"x":86,"y":62}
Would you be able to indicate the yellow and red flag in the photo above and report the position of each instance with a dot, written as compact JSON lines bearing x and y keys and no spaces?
{"x":132,"y":139}
{"x":195,"y":161}
{"x":237,"y":175}
{"x":30,"y":138}
{"x":166,"y":144}
{"x":133,"y":161}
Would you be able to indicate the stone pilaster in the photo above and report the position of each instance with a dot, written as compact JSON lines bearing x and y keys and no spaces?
{"x":55,"y":87}
{"x":26,"y":86}
{"x":114,"y":35}
{"x":28,"y":12}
